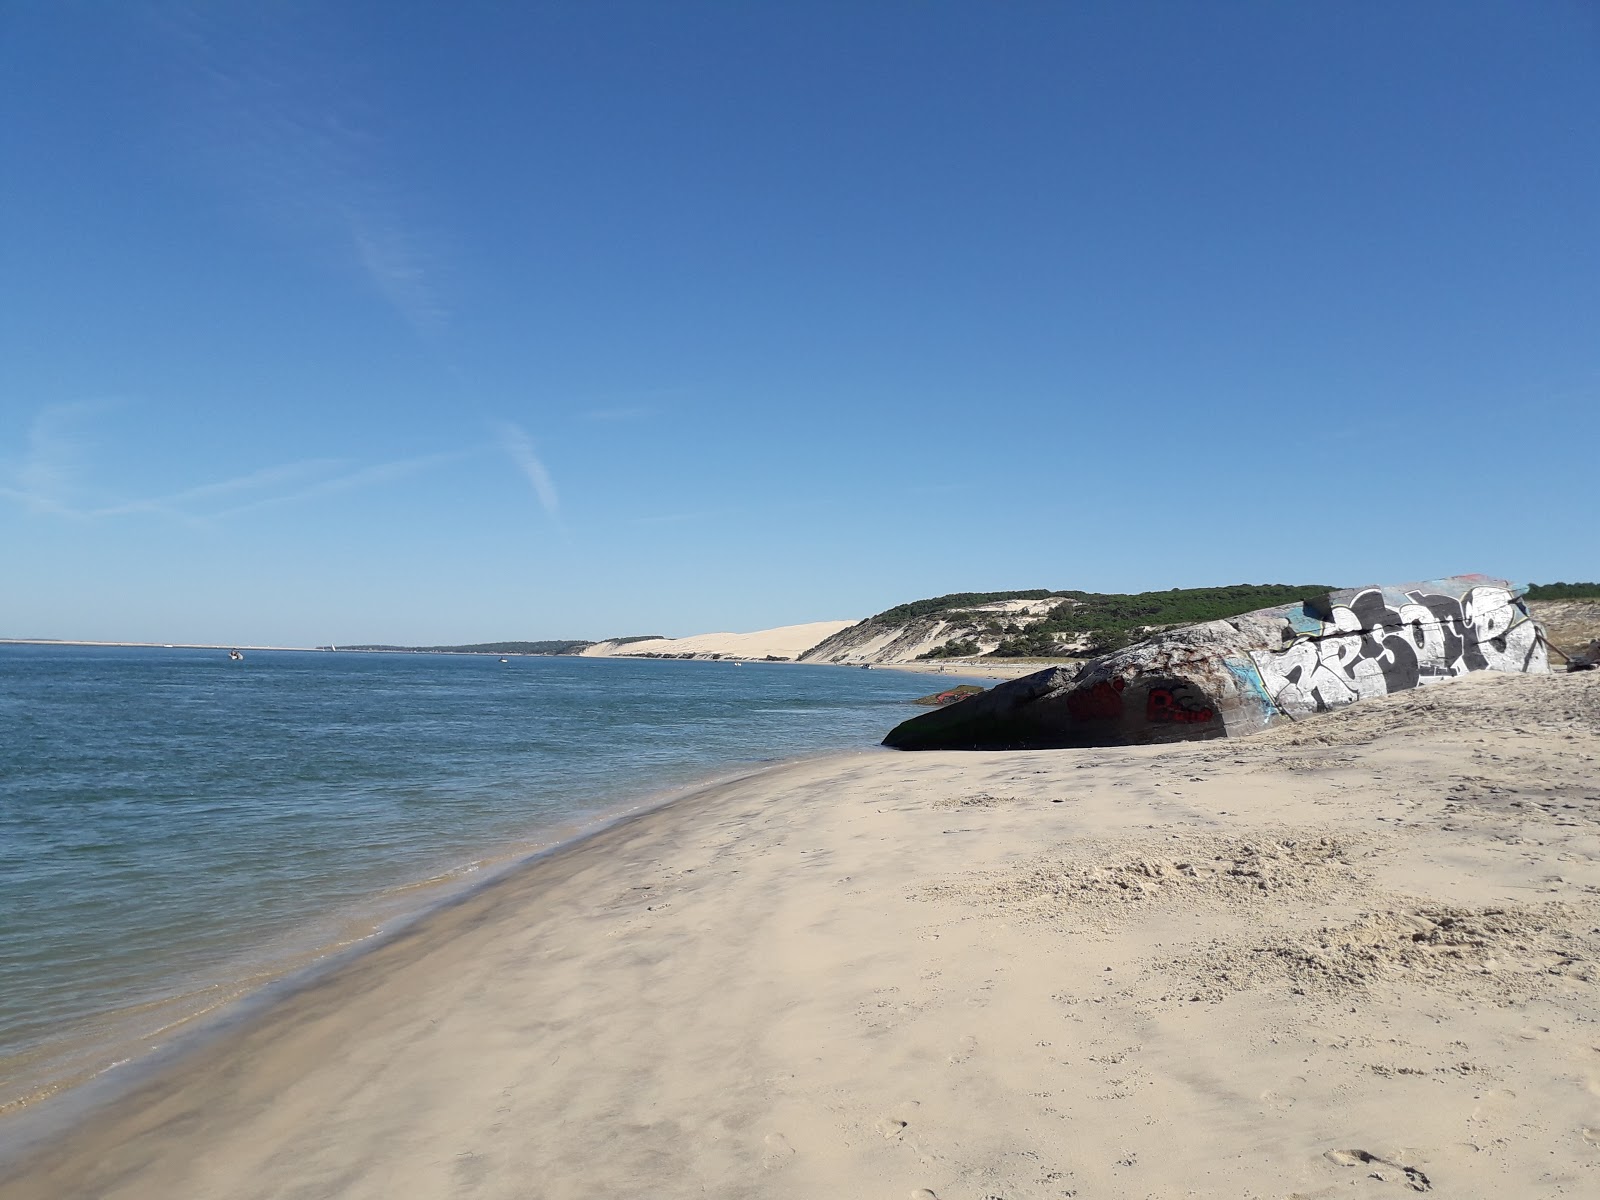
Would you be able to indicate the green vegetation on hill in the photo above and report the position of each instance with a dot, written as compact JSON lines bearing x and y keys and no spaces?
{"x":1564,"y":591}
{"x":954,"y":648}
{"x":1178,"y":606}
{"x":1105,"y":621}
{"x":639,"y":637}
{"x":1110,"y":619}
{"x":902,"y":613}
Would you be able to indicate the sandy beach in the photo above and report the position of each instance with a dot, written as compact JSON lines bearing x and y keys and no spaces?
{"x":984,"y":668}
{"x":1350,"y":957}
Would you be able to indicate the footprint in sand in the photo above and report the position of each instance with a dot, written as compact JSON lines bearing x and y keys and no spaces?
{"x":1410,"y":1176}
{"x":470,"y":1170}
{"x":965,"y":1049}
{"x":890,"y":1127}
{"x":894,"y":1124}
{"x":779,"y":1151}
{"x":1491,"y":1102}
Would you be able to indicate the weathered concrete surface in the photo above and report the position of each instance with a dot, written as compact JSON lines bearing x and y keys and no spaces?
{"x":962,"y":691}
{"x":1243,"y":673}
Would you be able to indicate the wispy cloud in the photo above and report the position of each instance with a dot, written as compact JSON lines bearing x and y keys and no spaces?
{"x":182,"y":503}
{"x":394,"y":263}
{"x":519,"y":446}
{"x":51,"y":477}
{"x":351,"y":481}
{"x":276,"y":113}
{"x":631,"y":404}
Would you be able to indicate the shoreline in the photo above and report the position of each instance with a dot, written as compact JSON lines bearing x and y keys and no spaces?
{"x":57,"y":1055}
{"x":260,"y":975}
{"x":32,"y":1128}
{"x":1348,"y":956}
{"x":975,"y":668}
{"x":996,"y":669}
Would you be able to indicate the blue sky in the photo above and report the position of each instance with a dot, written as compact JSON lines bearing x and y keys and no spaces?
{"x":424,"y":323}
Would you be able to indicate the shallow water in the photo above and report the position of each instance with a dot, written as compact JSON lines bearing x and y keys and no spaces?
{"x":176,"y":828}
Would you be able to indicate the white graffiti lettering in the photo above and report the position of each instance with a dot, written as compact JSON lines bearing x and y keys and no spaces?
{"x":1370,"y":647}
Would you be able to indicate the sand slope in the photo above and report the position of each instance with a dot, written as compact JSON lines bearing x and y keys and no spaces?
{"x":1569,"y":624}
{"x":786,"y":641}
{"x":1351,"y":957}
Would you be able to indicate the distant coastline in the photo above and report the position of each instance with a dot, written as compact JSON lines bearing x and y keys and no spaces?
{"x":150,"y":645}
{"x":248,"y":646}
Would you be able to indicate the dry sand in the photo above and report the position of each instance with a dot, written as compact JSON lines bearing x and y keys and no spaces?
{"x":1351,"y":957}
{"x":986,"y":668}
{"x":1569,"y":624}
{"x":787,"y":641}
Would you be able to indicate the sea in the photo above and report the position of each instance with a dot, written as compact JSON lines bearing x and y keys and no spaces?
{"x":178,"y":829}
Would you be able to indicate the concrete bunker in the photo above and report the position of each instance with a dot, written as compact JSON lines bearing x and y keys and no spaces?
{"x":1234,"y":676}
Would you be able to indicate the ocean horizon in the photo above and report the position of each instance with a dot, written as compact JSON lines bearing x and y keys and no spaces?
{"x":178,"y":830}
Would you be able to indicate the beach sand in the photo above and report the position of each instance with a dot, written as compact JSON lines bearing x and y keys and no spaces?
{"x":1351,"y":957}
{"x":985,"y":668}
{"x":787,"y":642}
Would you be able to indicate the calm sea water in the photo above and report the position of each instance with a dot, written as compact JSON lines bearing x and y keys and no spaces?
{"x":176,"y":828}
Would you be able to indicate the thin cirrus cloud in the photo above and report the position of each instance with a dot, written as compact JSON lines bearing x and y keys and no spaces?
{"x":183,"y":503}
{"x":519,"y":447}
{"x":633,"y":404}
{"x":270,"y":116}
{"x":52,"y":466}
{"x":363,"y":477}
{"x":390,"y":256}
{"x":52,"y":477}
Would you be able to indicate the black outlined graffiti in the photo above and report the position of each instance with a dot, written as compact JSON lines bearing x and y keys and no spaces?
{"x":1177,"y":703}
{"x":1384,"y":640}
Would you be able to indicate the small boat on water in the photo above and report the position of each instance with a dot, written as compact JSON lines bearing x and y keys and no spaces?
{"x":505,"y":660}
{"x":235,"y":656}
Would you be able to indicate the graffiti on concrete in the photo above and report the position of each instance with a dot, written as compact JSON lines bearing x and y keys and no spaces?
{"x":1178,"y":703}
{"x":1380,"y":640}
{"x":1240,"y":674}
{"x":1102,"y":702}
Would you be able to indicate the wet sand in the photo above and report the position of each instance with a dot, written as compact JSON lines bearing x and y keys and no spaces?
{"x":1355,"y":956}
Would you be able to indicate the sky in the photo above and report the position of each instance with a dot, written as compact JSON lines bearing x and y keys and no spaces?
{"x":421,"y":323}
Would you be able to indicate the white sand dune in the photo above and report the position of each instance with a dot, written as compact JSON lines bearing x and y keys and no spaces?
{"x":787,"y":641}
{"x":1349,"y":957}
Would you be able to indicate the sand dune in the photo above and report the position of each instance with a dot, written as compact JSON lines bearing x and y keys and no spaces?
{"x":1350,"y":957}
{"x":786,"y":641}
